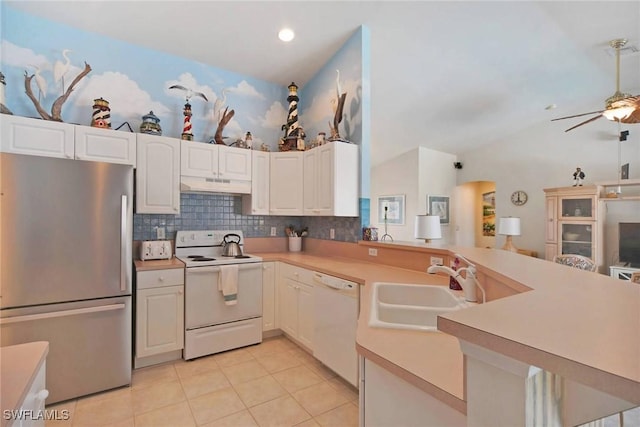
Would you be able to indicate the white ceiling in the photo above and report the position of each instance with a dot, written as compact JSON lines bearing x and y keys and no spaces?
{"x":448,"y":75}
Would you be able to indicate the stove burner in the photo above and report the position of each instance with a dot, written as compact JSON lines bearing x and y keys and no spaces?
{"x":242,"y":256}
{"x":201,"y":258}
{"x":195,"y":256}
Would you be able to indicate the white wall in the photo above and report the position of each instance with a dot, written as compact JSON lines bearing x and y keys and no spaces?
{"x":546,"y":157}
{"x":415,"y":174}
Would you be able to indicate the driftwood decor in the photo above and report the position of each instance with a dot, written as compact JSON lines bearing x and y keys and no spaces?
{"x":337,"y":118}
{"x":224,"y":119}
{"x":56,"y":108}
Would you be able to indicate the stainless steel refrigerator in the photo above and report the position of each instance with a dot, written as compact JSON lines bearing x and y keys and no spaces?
{"x":65,"y":268}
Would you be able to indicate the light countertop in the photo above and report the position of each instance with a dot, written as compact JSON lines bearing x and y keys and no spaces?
{"x":19,"y":365}
{"x":158,"y":264}
{"x":431,"y":361}
{"x":583,"y":326}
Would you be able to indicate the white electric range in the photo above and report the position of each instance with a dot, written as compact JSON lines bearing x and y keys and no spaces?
{"x":212,"y":324}
{"x":204,"y":248}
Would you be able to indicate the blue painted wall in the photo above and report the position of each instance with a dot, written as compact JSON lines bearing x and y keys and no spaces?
{"x":135,"y":80}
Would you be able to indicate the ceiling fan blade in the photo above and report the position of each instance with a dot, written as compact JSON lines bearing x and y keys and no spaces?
{"x":577,"y":115}
{"x":585,"y":122}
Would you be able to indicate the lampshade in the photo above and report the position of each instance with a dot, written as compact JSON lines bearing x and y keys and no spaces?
{"x":509,"y":226}
{"x":427,"y":227}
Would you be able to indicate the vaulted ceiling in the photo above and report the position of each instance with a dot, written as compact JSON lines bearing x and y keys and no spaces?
{"x":448,"y":75}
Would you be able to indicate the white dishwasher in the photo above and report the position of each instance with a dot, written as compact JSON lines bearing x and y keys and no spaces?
{"x":336,"y":316}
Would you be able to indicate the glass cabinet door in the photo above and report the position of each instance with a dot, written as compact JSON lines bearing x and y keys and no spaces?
{"x":577,"y":238}
{"x":580,"y":208}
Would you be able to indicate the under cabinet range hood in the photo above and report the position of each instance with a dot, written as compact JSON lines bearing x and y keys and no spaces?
{"x":194,"y":184}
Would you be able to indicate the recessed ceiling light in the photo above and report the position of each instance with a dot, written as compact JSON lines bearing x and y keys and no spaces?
{"x":286,"y":35}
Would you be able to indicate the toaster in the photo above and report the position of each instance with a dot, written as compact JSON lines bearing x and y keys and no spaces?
{"x":155,"y":249}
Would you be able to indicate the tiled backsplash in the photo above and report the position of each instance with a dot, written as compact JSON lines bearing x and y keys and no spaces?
{"x":224,"y":212}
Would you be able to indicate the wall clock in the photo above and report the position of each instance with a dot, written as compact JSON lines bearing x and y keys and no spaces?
{"x":519,"y":198}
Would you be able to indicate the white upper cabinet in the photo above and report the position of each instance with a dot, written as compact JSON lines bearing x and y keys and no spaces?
{"x":234,"y":163}
{"x":257,"y":203}
{"x":22,"y":135}
{"x":158,"y":175}
{"x":331,"y":180}
{"x":199,"y":159}
{"x":285,"y":197}
{"x":215,"y":168}
{"x":105,"y":145}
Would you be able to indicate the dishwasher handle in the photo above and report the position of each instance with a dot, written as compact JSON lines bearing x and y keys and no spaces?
{"x":333,"y":282}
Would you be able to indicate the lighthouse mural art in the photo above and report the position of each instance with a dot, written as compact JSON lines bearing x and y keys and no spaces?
{"x":294,"y":134}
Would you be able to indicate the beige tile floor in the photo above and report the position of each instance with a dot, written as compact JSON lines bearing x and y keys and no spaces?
{"x":274,"y":383}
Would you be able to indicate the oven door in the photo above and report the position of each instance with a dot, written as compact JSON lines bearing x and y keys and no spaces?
{"x":204,"y":303}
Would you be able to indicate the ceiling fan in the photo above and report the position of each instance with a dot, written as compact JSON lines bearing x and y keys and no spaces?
{"x":620,"y":107}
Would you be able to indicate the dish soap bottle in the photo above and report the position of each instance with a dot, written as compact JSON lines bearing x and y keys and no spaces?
{"x":453,"y":283}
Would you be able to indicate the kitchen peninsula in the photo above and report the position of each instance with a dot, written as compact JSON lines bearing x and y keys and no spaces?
{"x":581,"y":326}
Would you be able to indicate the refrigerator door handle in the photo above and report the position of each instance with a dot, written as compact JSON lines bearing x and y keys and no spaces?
{"x":124,"y":245}
{"x":64,"y":313}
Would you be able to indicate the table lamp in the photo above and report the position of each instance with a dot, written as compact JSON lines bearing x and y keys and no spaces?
{"x":427,"y":227}
{"x":509,"y":226}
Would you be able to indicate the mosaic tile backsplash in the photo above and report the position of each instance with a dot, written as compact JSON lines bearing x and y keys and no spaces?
{"x":224,"y":212}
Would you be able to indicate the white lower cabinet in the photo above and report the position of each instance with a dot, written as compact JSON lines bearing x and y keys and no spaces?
{"x":296,"y":304}
{"x":391,"y":401}
{"x":268,"y":296}
{"x":34,"y":402}
{"x":159,"y":315}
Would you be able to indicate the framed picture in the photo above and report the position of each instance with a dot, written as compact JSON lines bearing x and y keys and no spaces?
{"x":439,"y":205}
{"x":624,"y":171}
{"x":393,"y":206}
{"x":489,"y":214}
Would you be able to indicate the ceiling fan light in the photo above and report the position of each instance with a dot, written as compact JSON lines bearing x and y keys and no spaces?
{"x":286,"y":34}
{"x":617,"y":114}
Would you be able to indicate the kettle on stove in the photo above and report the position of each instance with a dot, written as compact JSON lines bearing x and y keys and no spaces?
{"x":230,"y":247}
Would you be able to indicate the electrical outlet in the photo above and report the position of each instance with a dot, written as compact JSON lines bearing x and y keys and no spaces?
{"x":332,"y":233}
{"x":373,"y":252}
{"x":273,"y":231}
{"x":160,"y":234}
{"x":436,"y":261}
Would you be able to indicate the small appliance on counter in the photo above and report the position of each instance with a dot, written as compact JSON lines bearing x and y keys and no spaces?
{"x":155,"y":249}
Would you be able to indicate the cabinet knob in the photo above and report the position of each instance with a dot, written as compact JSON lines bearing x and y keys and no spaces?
{"x":180,"y":292}
{"x":161,"y":279}
{"x":42,"y":395}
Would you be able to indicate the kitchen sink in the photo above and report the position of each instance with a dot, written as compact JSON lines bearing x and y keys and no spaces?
{"x":411,"y":306}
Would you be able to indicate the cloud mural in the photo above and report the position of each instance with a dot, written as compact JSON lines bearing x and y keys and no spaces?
{"x":275,"y":116}
{"x":245,"y":89}
{"x":134,"y":80}
{"x":126,"y":99}
{"x":17,"y":56}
